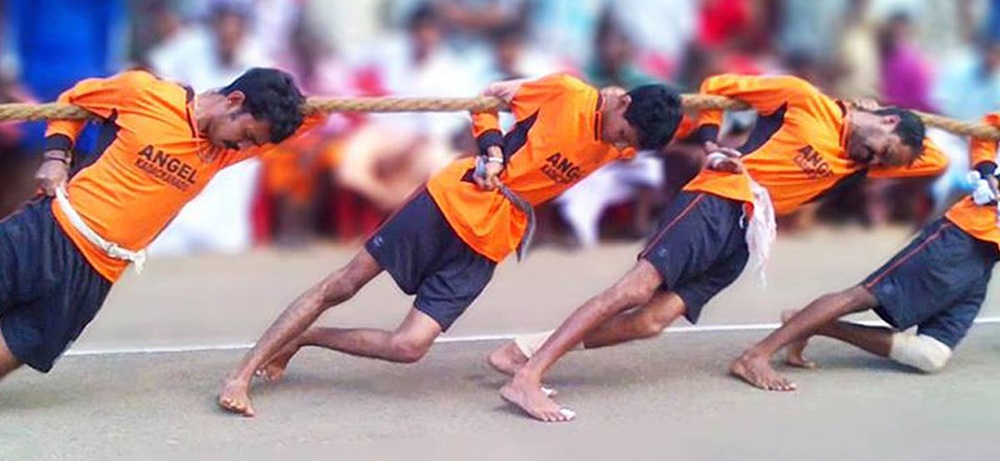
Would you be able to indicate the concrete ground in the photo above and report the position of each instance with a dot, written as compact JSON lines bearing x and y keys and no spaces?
{"x":668,"y":397}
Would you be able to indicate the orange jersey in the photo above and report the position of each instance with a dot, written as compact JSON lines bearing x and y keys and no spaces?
{"x":152,"y":161}
{"x":979,"y":221}
{"x":797,"y":147}
{"x":555,"y":143}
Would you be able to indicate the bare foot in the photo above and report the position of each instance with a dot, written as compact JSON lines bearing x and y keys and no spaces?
{"x":757,"y":371}
{"x":534,"y":402}
{"x":507,"y":359}
{"x":235,"y":397}
{"x":794,"y":350}
{"x":274,"y":370}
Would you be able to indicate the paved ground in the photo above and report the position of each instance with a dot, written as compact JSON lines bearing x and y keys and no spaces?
{"x":668,"y":397}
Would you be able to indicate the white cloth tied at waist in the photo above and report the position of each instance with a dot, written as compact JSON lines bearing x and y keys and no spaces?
{"x":762,"y":230}
{"x":137,"y":258}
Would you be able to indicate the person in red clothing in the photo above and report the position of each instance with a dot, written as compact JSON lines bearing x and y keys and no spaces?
{"x":803,"y":144}
{"x":444,"y":244}
{"x":159,"y":145}
{"x":937,"y":283}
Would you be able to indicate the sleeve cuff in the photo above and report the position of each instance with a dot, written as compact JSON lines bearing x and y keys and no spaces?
{"x":58,"y":142}
{"x":986,"y":168}
{"x":487,"y":139}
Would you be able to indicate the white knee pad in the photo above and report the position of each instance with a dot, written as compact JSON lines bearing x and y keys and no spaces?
{"x":919,"y":351}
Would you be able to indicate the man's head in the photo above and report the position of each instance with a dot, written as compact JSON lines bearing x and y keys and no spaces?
{"x":230,"y":21}
{"x":645,"y":118}
{"x":424,"y":27}
{"x":261,"y":106}
{"x":508,"y":46}
{"x":889,"y":137}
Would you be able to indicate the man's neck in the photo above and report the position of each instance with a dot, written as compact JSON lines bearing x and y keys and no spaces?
{"x":203,"y":108}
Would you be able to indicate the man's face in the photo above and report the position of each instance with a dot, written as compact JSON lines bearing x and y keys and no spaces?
{"x":616,"y":129}
{"x":235,"y":128}
{"x":229,"y":32}
{"x":873,"y":142}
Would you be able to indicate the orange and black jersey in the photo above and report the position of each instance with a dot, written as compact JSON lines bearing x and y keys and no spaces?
{"x":980,"y":221}
{"x":555,"y":143}
{"x":152,"y":161}
{"x":797,"y":148}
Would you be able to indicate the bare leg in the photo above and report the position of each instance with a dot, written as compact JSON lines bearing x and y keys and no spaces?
{"x":524,"y":390}
{"x":335,"y":289}
{"x":645,"y":321}
{"x":407,"y":344}
{"x":8,"y":362}
{"x":754,"y":366}
{"x":876,"y":340}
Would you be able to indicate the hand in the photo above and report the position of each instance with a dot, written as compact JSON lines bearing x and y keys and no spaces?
{"x":53,"y":173}
{"x":491,"y":179}
{"x":869,"y":104}
{"x":725,"y":159}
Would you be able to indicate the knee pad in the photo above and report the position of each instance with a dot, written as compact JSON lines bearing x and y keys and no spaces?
{"x":919,"y":351}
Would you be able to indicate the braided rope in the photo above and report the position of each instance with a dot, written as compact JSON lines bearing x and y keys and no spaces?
{"x":52,"y":111}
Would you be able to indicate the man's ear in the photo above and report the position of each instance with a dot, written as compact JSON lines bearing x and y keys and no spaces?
{"x":890,"y":120}
{"x":236,"y":98}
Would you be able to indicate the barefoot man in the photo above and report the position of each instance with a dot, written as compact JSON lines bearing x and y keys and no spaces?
{"x":804,"y":143}
{"x":159,"y":145}
{"x":443,"y":245}
{"x":937,"y":283}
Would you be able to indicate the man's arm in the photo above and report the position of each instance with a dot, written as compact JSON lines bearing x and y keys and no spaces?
{"x":931,"y":162}
{"x":524,"y":97}
{"x":764,"y":94}
{"x":100,"y":96}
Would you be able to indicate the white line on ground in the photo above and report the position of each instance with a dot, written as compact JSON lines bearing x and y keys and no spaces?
{"x":455,"y":339}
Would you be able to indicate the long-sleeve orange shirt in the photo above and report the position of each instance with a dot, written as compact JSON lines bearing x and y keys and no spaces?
{"x":152,"y":161}
{"x":980,"y":221}
{"x":555,"y":143}
{"x":797,"y":148}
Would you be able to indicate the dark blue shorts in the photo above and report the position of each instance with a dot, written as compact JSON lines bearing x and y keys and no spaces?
{"x":425,"y":257}
{"x":699,"y":249}
{"x":938,"y":282}
{"x":48,"y":291}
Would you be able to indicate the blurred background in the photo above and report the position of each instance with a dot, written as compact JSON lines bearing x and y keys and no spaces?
{"x":338,"y":183}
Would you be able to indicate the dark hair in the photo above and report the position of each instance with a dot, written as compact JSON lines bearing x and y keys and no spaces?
{"x":510,"y":31}
{"x":910,"y":129}
{"x":655,"y":112}
{"x":271,"y":96}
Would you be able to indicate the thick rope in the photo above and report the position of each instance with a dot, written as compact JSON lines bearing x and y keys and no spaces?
{"x":52,"y":111}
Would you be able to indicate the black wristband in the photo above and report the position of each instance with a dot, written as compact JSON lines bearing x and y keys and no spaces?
{"x":986,"y":168}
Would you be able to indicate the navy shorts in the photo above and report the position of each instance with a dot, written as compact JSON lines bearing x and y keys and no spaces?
{"x":48,"y":290}
{"x":699,"y":249}
{"x":425,"y":257}
{"x":937,"y":283}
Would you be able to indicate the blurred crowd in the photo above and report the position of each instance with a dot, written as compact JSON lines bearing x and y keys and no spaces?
{"x":340,"y":181}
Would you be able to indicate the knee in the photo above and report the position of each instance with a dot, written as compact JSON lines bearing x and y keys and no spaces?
{"x":648,"y":326}
{"x":627,"y":295}
{"x":406,"y":350}
{"x":919,"y":351}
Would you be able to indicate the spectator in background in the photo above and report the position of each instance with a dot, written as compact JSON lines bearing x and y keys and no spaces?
{"x":855,"y":69}
{"x":470,"y":24}
{"x":219,"y":219}
{"x":906,"y":75}
{"x":16,"y":163}
{"x":565,"y":29}
{"x":511,"y":57}
{"x":661,"y":30}
{"x":56,"y":43}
